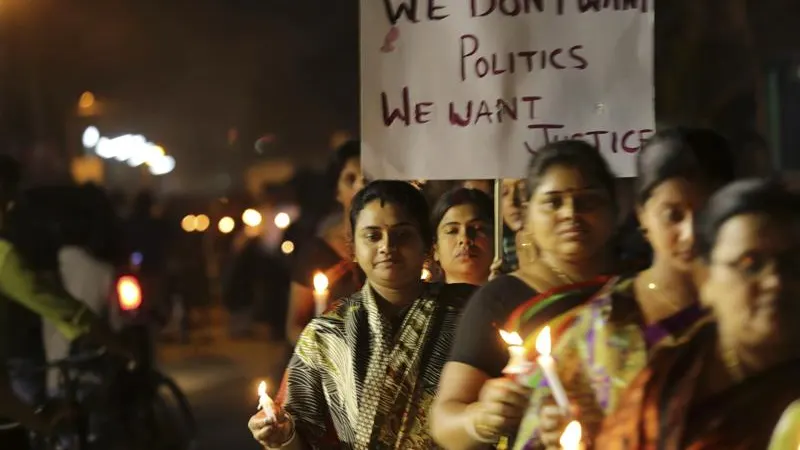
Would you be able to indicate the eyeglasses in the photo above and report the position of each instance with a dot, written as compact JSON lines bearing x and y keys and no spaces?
{"x":754,"y":265}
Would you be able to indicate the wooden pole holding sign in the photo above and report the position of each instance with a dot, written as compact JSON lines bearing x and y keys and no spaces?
{"x":498,"y":220}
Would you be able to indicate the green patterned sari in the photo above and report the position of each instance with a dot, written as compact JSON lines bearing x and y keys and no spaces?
{"x":358,"y":381}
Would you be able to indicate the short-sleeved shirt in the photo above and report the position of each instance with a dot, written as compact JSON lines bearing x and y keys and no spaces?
{"x":478,"y":341}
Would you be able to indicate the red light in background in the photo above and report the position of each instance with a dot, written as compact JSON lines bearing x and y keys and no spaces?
{"x":129,"y":293}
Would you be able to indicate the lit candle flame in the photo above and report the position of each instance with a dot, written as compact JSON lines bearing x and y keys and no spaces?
{"x":426,"y":275}
{"x":512,"y":338}
{"x":320,"y":282}
{"x":265,"y":403}
{"x":571,"y":439}
{"x":543,"y":342}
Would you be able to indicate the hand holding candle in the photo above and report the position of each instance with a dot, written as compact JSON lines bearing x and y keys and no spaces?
{"x":518,"y":364}
{"x":548,"y":366}
{"x":320,"y":293}
{"x":265,"y":402}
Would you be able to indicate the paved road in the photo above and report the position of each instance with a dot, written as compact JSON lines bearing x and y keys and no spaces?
{"x":220,"y":377}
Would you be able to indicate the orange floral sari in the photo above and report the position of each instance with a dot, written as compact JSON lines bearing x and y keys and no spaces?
{"x":661,"y":411}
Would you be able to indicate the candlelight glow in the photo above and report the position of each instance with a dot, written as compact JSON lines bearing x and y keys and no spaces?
{"x":426,"y":275}
{"x":189,"y":223}
{"x":320,"y":282}
{"x":287,"y":247}
{"x":251,"y":217}
{"x":543,"y":342}
{"x":202,"y":222}
{"x":511,"y":338}
{"x":282,"y":220}
{"x":571,"y":439}
{"x":262,"y":388}
{"x":226,"y":225}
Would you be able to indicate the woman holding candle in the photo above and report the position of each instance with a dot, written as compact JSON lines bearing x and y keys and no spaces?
{"x":729,"y":383}
{"x":330,"y":252}
{"x":364,"y":374}
{"x":462,"y":245}
{"x":569,"y":220}
{"x":606,"y":341}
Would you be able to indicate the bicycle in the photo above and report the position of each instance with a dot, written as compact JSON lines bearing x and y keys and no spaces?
{"x":119,"y":407}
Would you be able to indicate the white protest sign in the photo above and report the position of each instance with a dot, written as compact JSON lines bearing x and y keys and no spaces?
{"x":469,"y":89}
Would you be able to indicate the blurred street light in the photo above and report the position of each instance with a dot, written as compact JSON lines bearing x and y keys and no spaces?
{"x":226,"y":225}
{"x":91,"y":136}
{"x":86,"y":101}
{"x":282,"y":220}
{"x":202,"y":222}
{"x":287,"y":247}
{"x":251,"y":217}
{"x":189,"y":223}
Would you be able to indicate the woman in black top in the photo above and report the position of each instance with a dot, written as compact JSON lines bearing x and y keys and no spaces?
{"x":328,"y":252}
{"x":569,"y":223}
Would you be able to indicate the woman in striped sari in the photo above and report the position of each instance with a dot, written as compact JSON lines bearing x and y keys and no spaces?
{"x":601,"y":344}
{"x":364,"y":374}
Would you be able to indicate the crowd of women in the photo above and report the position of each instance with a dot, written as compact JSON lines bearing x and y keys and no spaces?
{"x":695,"y":349}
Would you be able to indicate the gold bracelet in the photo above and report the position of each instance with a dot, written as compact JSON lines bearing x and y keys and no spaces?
{"x":472,"y":428}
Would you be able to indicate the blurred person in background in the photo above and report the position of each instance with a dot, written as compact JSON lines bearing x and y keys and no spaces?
{"x":29,"y":292}
{"x":89,"y":252}
{"x":514,"y":197}
{"x":462,"y":248}
{"x":727,"y":385}
{"x":257,"y":283}
{"x":150,"y":237}
{"x":329,"y":252}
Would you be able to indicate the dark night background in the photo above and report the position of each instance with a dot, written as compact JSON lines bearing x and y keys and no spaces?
{"x":207,"y":78}
{"x":184,"y":73}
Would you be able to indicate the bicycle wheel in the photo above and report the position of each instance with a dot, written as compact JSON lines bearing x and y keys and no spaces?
{"x":175,"y":426}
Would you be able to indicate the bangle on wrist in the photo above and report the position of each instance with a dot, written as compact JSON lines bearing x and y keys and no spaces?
{"x":472,"y":429}
{"x":292,"y":435}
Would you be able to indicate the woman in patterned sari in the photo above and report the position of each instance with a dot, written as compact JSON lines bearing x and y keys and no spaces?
{"x":727,"y":386}
{"x":568,"y":226}
{"x":603,"y":343}
{"x":363,"y":375}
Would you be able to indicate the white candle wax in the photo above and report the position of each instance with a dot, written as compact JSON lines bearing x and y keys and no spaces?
{"x":548,"y":366}
{"x":265,"y":402}
{"x":517,"y":360}
{"x":320,"y":302}
{"x":320,"y":293}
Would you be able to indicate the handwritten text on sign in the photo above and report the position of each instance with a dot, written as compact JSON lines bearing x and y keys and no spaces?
{"x":455,"y":89}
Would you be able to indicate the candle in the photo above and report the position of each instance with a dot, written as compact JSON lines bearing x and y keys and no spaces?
{"x":518,"y":365}
{"x":426,"y":275}
{"x":571,"y":439}
{"x":265,"y":402}
{"x":320,"y":293}
{"x":548,"y":366}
